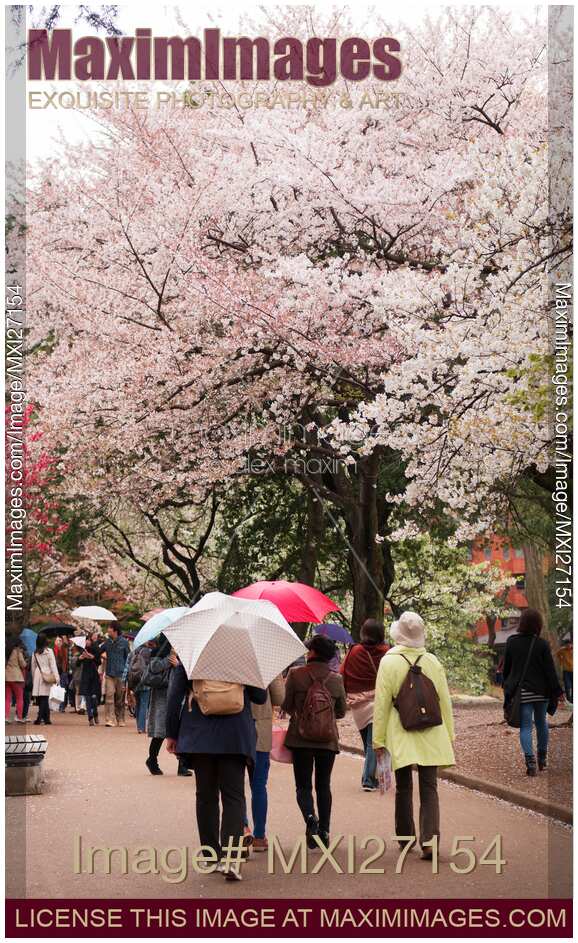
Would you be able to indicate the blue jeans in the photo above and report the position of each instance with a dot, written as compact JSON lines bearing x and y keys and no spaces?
{"x":258,"y":778}
{"x":142,"y":705}
{"x":91,"y":706}
{"x":535,"y":711}
{"x":368,"y":777}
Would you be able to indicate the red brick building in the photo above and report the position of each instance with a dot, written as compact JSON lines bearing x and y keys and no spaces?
{"x":511,"y":560}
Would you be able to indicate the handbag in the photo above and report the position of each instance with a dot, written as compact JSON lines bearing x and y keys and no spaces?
{"x":48,"y":678}
{"x":279,"y":752}
{"x":57,"y":693}
{"x":512,"y":707}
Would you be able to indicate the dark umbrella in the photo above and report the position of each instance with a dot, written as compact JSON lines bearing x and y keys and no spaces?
{"x":336,"y":632}
{"x":52,"y":629}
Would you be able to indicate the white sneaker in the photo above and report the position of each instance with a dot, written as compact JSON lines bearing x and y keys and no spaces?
{"x":21,"y":720}
{"x":232,"y":874}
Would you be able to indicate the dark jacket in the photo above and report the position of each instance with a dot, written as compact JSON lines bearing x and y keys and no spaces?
{"x":89,"y":684}
{"x":196,"y":732}
{"x":296,"y":687}
{"x":540,"y":677}
{"x":160,"y":668}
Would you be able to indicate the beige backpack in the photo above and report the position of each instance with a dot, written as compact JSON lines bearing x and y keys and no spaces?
{"x":219,"y":697}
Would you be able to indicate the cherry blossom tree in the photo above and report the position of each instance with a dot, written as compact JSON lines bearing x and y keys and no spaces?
{"x":348,"y":294}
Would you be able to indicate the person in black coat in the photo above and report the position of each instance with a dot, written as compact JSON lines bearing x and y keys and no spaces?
{"x":540,"y":687}
{"x":89,"y":686}
{"x":218,"y":748}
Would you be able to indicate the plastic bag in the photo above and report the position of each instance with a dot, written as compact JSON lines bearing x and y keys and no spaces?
{"x":384,"y":771}
{"x":279,"y":752}
{"x":57,"y":693}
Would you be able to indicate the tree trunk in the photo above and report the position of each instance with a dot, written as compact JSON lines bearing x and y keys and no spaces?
{"x":313,"y":537}
{"x":491,"y":623}
{"x":314,"y":529}
{"x":371,"y":568}
{"x":536,"y":591}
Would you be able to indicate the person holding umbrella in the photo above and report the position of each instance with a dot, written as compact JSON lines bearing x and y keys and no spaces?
{"x":359,"y":672}
{"x":44,"y":675}
{"x":230,"y":650}
{"x":156,"y":678}
{"x":219,"y":748}
{"x":28,"y":638}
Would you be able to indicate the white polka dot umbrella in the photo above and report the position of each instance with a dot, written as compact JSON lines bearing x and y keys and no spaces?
{"x":226,"y":638}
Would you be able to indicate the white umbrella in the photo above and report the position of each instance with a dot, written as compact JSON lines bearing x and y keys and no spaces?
{"x":79,"y":640}
{"x":98,"y":613}
{"x":227,"y":638}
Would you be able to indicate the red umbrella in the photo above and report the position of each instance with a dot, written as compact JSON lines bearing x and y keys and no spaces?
{"x":297,"y":602}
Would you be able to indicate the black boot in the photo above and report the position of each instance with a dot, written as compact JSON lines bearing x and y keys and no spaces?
{"x":183,"y":769}
{"x":153,"y":767}
{"x":312,"y":829}
{"x":542,"y":760}
{"x":531,"y":765}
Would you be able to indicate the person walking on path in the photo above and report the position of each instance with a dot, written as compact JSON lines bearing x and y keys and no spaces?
{"x":76,"y":671}
{"x":259,"y":774}
{"x":219,"y":748}
{"x":15,"y":678}
{"x":61,"y":653}
{"x":157,"y":677}
{"x":89,"y":681}
{"x":314,"y":680}
{"x":359,"y":672}
{"x":565,"y":656}
{"x":425,"y":748}
{"x":138,"y":693}
{"x":528,"y":662}
{"x":115,"y":649}
{"x":44,"y":675}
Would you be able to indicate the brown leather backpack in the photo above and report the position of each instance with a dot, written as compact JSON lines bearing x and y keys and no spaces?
{"x":316,"y":720}
{"x":417,"y":700}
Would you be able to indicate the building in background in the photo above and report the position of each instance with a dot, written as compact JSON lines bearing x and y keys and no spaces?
{"x":510,"y":559}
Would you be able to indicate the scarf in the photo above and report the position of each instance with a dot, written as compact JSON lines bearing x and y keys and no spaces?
{"x":359,"y":669}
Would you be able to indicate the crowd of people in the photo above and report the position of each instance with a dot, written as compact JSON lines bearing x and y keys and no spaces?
{"x":398,"y":696}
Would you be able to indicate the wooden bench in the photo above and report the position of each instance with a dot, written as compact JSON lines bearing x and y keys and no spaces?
{"x":24,"y":755}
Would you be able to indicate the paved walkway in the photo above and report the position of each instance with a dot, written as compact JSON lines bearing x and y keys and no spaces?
{"x":97,"y":787}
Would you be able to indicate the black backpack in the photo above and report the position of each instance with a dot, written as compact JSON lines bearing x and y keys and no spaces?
{"x":156,"y":675}
{"x":417,"y":700}
{"x":137,"y":668}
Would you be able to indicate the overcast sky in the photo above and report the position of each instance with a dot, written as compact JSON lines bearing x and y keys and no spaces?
{"x":45,"y":126}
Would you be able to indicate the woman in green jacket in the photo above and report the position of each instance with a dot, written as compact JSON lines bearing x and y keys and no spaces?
{"x":427,"y":749}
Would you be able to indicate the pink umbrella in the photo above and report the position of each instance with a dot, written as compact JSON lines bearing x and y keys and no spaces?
{"x":297,"y":602}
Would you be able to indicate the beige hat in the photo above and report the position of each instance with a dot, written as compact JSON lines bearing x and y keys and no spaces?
{"x":409,"y":630}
